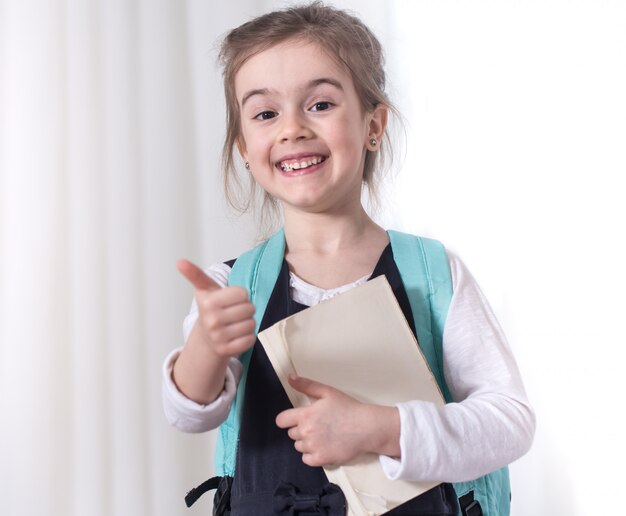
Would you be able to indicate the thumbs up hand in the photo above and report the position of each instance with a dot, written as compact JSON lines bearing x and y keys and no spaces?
{"x":225,"y":314}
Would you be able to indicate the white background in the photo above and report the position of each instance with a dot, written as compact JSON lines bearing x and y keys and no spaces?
{"x":111,"y":122}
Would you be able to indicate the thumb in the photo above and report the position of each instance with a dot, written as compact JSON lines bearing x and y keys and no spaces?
{"x":309,"y":387}
{"x":196,"y":276}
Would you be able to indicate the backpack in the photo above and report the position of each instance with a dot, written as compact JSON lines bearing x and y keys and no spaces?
{"x":425,"y":273}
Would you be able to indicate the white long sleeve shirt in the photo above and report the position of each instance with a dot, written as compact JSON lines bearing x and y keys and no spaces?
{"x":489,"y":425}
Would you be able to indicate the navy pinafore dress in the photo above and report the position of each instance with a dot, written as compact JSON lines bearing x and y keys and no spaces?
{"x":266,"y":457}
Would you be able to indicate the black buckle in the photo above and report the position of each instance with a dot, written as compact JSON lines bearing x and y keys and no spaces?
{"x":469,"y":506}
{"x":473,"y":509}
{"x":221,"y":501}
{"x":290,"y":500}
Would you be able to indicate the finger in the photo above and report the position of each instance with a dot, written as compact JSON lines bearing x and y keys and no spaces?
{"x":237,"y":313}
{"x":228,"y":305}
{"x":287,"y":418}
{"x":234,"y":331}
{"x":294,"y":433}
{"x":310,"y":459}
{"x":310,"y":387}
{"x":196,"y":275}
{"x":222,"y":297}
{"x":241,"y":344}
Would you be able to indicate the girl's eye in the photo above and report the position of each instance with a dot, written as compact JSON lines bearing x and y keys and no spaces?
{"x":265,"y":115}
{"x":321,"y":106}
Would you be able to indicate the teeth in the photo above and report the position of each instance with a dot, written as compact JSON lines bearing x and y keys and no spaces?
{"x":302,"y":164}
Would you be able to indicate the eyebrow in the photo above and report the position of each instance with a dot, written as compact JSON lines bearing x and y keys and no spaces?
{"x":310,"y":85}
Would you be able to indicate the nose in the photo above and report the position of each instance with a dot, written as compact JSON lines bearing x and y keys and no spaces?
{"x":294,"y":127}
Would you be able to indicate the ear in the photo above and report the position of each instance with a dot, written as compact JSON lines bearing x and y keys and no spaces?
{"x":377,"y":123}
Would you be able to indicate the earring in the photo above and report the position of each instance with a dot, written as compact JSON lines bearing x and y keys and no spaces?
{"x":373,"y":142}
{"x":247,"y":165}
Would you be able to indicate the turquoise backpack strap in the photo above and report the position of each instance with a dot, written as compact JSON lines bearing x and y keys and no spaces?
{"x":425,"y":272}
{"x":257,"y":271}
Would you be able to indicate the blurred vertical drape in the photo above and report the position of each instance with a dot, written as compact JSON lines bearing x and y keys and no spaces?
{"x":100,"y":193}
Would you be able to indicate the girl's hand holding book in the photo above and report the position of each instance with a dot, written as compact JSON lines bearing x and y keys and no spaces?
{"x":336,"y":428}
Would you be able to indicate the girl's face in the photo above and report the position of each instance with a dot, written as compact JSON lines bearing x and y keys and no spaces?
{"x":303,"y":131}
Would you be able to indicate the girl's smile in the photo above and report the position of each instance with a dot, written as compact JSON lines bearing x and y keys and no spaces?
{"x":298,"y":165}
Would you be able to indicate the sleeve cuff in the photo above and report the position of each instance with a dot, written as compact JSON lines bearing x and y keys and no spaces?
{"x":394,"y":468}
{"x":189,"y":416}
{"x":391,"y":467}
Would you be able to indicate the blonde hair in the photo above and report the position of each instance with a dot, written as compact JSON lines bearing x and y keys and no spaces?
{"x":344,"y":37}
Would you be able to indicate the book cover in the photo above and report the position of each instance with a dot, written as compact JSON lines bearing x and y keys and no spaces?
{"x":360,"y":343}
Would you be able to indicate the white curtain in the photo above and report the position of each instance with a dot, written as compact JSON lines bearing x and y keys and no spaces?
{"x":110,"y":137}
{"x":111,"y":125}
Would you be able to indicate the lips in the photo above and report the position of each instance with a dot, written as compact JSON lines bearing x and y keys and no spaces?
{"x":300,"y":163}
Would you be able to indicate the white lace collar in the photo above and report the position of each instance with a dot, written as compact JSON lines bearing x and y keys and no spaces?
{"x":310,"y":295}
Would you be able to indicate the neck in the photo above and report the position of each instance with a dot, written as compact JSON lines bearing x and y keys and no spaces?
{"x":328,"y":233}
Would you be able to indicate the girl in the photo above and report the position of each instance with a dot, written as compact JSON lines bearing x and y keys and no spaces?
{"x":307,"y":112}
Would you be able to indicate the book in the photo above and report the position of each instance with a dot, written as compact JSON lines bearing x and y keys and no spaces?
{"x":360,"y":343}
